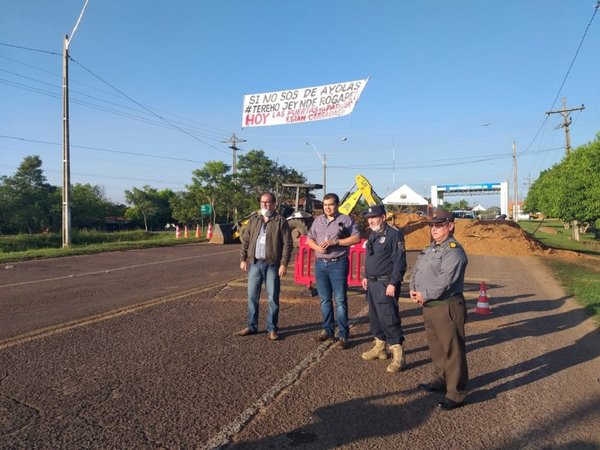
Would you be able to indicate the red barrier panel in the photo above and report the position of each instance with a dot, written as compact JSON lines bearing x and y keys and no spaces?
{"x":305,"y":263}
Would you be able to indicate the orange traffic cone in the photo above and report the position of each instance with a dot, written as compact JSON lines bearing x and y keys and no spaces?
{"x":483,"y":306}
{"x":177,"y":232}
{"x":198,"y":232}
{"x":209,"y":232}
{"x":186,"y":232}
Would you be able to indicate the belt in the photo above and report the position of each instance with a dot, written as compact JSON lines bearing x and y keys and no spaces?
{"x":331,"y":259}
{"x":443,"y":301}
{"x":385,"y":278}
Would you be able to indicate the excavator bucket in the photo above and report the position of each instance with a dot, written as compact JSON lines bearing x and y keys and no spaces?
{"x":225,"y":233}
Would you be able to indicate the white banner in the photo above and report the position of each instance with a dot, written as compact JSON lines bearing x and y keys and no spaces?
{"x":301,"y":105}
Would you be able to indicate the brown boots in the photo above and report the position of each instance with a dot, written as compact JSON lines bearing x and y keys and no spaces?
{"x":398,"y":360}
{"x":377,"y":352}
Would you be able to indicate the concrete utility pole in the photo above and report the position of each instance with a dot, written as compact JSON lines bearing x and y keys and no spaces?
{"x":516,"y":183}
{"x":66,"y":160}
{"x":233,"y":140}
{"x":566,"y":121}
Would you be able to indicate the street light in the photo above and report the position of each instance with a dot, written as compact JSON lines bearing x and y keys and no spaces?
{"x":515,"y":179}
{"x":323,"y":159}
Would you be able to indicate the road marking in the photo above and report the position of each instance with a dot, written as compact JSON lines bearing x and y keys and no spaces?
{"x":224,"y":436}
{"x":67,"y":326}
{"x":115,"y":269}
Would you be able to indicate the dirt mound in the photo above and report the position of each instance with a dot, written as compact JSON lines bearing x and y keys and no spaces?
{"x":494,"y":238}
{"x":498,"y":238}
{"x":415,"y":229}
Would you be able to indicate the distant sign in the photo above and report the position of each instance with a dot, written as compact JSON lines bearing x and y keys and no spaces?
{"x":469,"y":187}
{"x":301,"y":105}
{"x":206,"y":210}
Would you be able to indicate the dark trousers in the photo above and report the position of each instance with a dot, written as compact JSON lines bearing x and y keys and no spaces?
{"x":445,"y":333}
{"x":384,"y":317}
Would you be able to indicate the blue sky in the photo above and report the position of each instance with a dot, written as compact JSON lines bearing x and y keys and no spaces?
{"x":438,"y":72}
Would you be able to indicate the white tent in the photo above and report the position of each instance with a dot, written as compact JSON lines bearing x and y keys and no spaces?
{"x":404,"y":196}
{"x":478,"y":208}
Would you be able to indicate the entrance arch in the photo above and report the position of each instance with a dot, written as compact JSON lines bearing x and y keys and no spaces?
{"x":439,"y":192}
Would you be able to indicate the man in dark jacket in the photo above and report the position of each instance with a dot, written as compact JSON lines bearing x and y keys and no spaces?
{"x":266,"y":251}
{"x":385,"y":265}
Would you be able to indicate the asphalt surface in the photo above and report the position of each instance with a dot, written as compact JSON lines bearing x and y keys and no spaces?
{"x":137,"y":350}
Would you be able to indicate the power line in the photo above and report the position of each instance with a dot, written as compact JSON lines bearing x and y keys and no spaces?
{"x":30,"y":49}
{"x":148,"y":109}
{"x":566,"y":76}
{"x":98,"y":149}
{"x":170,"y":123}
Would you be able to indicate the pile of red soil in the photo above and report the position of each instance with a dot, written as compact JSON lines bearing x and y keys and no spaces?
{"x":493,"y":237}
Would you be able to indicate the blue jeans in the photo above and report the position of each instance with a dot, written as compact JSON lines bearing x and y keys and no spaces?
{"x":259,"y":273}
{"x":332,"y":282}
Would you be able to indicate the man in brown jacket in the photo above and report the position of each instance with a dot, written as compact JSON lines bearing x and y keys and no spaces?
{"x":266,"y":251}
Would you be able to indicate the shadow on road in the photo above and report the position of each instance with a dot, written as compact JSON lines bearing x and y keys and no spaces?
{"x":584,"y":349}
{"x":351,"y":422}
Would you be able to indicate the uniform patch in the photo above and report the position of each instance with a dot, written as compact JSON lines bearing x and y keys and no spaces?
{"x":452,"y":244}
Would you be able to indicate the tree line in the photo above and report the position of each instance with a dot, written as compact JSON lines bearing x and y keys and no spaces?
{"x":29,"y":204}
{"x":570,"y":189}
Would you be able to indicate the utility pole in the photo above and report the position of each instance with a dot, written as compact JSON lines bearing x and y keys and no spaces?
{"x":516,"y":183}
{"x":66,"y":159}
{"x":66,"y":162}
{"x":233,"y":140}
{"x":566,"y":121}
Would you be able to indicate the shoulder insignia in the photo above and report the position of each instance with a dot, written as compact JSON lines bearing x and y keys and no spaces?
{"x":452,"y":244}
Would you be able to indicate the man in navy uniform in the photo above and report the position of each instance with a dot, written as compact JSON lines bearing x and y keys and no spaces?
{"x":437,"y":283}
{"x":385,"y":265}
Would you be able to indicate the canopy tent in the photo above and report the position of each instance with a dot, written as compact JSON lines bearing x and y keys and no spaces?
{"x":404,"y":196}
{"x":478,"y":208}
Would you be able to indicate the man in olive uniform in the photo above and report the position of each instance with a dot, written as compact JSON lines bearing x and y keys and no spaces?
{"x":437,"y":283}
{"x":385,"y":265}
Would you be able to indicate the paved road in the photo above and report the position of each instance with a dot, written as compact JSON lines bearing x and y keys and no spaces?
{"x":81,"y":366}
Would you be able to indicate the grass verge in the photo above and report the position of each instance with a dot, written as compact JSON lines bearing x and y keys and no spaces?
{"x":580,"y":278}
{"x":27,"y":247}
{"x":581,"y":281}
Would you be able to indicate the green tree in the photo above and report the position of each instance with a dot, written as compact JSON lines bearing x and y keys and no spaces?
{"x":570,"y":189}
{"x":89,"y":207}
{"x":214,"y":185}
{"x":579,"y":197}
{"x":145,"y":204}
{"x":26,"y":199}
{"x":257,"y":174}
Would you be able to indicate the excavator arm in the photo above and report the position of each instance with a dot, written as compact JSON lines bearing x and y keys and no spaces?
{"x":363,"y":189}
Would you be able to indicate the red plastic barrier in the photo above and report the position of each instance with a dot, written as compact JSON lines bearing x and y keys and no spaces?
{"x":305,"y":263}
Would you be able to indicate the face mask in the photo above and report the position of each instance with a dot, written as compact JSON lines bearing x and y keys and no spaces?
{"x":265,"y":212}
{"x":377,"y":228}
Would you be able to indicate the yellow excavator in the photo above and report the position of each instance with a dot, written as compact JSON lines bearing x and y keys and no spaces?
{"x":300,"y":211}
{"x":363,"y":189}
